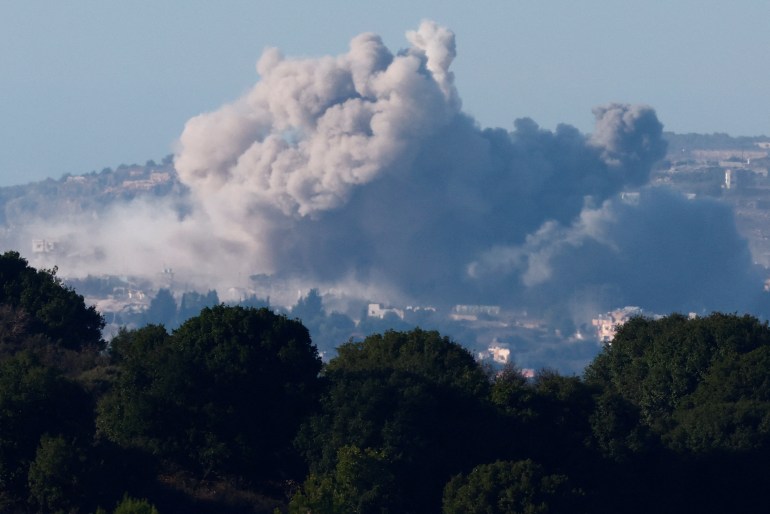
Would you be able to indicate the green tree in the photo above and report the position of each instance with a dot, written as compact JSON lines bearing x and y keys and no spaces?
{"x":255,"y":302}
{"x":225,"y":393}
{"x":680,"y":401}
{"x":52,"y":308}
{"x":360,"y":484}
{"x":416,"y":396}
{"x":55,"y":476}
{"x":130,"y":505}
{"x":318,"y":495}
{"x":309,"y":309}
{"x":656,"y":365}
{"x":34,"y":401}
{"x":521,"y":487}
{"x":139,"y":410}
{"x":546,"y":418}
{"x":162,"y":309}
{"x":618,"y":431}
{"x":730,"y":409}
{"x":193,"y":302}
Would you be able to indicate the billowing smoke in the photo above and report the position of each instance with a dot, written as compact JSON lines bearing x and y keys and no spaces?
{"x":659,"y":250}
{"x":362,"y":170}
{"x":363,"y":165}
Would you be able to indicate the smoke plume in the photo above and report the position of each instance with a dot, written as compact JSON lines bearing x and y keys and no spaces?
{"x":362,"y":171}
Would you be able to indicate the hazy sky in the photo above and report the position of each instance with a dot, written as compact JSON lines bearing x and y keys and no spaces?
{"x":91,"y":84}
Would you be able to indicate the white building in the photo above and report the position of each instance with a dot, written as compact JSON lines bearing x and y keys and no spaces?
{"x":607,"y":324}
{"x":376,"y":310}
{"x":499,"y":354}
{"x":472,"y":312}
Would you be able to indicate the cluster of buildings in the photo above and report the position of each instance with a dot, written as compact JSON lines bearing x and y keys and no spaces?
{"x":607,"y":324}
{"x":377,"y":310}
{"x":140,"y":182}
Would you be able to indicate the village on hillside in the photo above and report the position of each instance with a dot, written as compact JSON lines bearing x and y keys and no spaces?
{"x":733,"y":170}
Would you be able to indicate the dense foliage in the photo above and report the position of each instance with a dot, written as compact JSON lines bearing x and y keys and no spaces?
{"x":233,"y":412}
{"x":224,"y":393}
{"x":50,"y":309}
{"x":415,"y":400}
{"x":512,"y":487}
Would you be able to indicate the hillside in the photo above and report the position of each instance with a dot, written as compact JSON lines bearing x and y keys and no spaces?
{"x":73,"y":195}
{"x":91,"y":192}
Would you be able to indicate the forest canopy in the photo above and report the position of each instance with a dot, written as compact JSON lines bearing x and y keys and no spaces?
{"x":234,"y":412}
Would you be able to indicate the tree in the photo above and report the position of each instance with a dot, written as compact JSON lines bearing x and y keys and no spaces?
{"x":415,"y":396}
{"x":255,"y":302}
{"x":35,"y":401}
{"x":656,"y":365}
{"x":162,"y":309}
{"x":360,"y":484}
{"x":129,"y":505}
{"x":55,"y":475}
{"x":309,"y":308}
{"x":730,"y":409}
{"x":546,"y":418}
{"x":138,"y":410}
{"x":225,"y":393}
{"x":521,"y":487}
{"x":53,"y":309}
{"x":422,"y":353}
{"x":193,"y":302}
{"x":680,"y":401}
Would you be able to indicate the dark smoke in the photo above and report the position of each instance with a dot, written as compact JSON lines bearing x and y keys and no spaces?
{"x":362,"y":172}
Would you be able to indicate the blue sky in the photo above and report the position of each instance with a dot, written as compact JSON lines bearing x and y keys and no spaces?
{"x":91,"y":84}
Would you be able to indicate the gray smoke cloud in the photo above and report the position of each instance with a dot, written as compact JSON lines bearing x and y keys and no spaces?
{"x":363,"y":166}
{"x":361,"y":171}
{"x":660,"y":251}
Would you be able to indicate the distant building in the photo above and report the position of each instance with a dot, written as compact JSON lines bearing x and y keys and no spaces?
{"x":527,"y":373}
{"x":376,"y":310}
{"x":608,"y":324}
{"x":472,"y":312}
{"x":729,"y":179}
{"x":497,"y":352}
{"x":735,"y":164}
{"x":418,"y":309}
{"x":743,"y":178}
{"x":136,"y":294}
{"x":155,"y":179}
{"x":500,"y":354}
